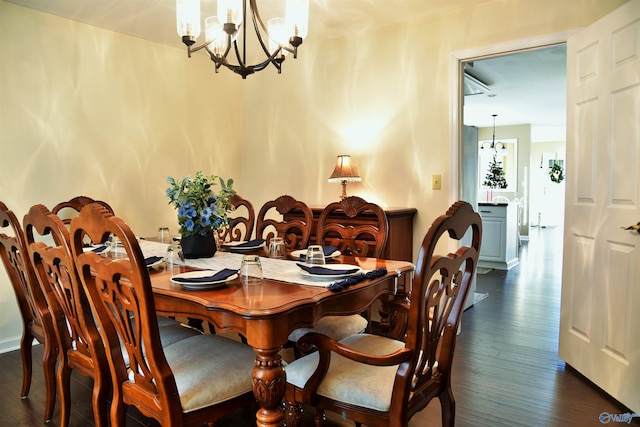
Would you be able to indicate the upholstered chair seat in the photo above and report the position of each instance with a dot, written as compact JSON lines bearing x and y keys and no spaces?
{"x":351,"y":382}
{"x":199,"y":384}
{"x":336,"y":327}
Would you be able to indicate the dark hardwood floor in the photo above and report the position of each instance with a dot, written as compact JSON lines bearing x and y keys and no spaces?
{"x":506,"y":369}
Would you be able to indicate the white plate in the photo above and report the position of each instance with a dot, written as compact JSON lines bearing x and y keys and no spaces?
{"x":230,"y":246}
{"x":94,"y":247}
{"x":155,"y":264}
{"x":333,"y":267}
{"x":296,"y":254}
{"x":201,"y":285}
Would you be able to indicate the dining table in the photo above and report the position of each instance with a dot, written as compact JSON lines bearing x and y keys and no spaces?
{"x":266,"y":313}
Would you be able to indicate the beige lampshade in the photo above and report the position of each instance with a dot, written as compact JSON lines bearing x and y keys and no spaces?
{"x":344,"y":171}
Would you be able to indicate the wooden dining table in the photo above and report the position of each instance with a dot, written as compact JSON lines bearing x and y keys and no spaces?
{"x":265,"y":314}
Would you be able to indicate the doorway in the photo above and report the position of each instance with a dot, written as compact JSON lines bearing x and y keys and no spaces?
{"x":521,"y":87}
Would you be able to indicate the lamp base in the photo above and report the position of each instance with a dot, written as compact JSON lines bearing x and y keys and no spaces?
{"x":344,"y":190}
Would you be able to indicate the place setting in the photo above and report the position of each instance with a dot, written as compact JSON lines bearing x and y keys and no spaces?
{"x":243,"y":246}
{"x":315,"y":265}
{"x":329,"y":252}
{"x":205,"y":279}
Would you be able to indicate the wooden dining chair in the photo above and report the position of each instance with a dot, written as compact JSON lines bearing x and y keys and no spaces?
{"x":365,"y":236}
{"x":67,"y":209}
{"x":271,"y":222}
{"x":241,"y":221}
{"x":361,"y":237}
{"x":37,"y":322}
{"x":78,"y":338}
{"x":391,"y":380}
{"x":191,"y":382}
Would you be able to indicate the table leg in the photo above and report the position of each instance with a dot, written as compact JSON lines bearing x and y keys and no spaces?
{"x":269,"y":382}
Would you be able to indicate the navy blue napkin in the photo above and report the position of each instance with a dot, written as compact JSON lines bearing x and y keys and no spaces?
{"x":323,"y":271}
{"x":220,"y":275}
{"x":328,"y":250}
{"x":152,"y":260}
{"x":246,"y":245}
{"x":345,"y":283}
{"x":98,"y":249}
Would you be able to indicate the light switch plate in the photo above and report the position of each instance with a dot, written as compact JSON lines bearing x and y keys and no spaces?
{"x":436,"y":182}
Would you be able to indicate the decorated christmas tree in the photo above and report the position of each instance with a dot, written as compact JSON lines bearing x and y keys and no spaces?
{"x":495,"y":177}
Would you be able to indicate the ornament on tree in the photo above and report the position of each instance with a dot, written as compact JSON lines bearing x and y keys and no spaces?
{"x":495,"y":177}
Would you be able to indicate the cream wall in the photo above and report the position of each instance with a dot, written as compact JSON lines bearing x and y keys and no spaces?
{"x":88,"y":111}
{"x":383,"y":97}
{"x":93,"y":112}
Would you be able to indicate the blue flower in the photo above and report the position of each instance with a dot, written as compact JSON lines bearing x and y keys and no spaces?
{"x":206,"y":213}
{"x":205,"y":221}
{"x":188,"y":224}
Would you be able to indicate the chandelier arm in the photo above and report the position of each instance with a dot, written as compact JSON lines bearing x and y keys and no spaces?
{"x":244,"y":36}
{"x":242,"y":68}
{"x":259,"y":23}
{"x":216,"y":60}
{"x":241,"y":58}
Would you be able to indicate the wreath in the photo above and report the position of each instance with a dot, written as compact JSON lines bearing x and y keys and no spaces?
{"x":556,"y":173}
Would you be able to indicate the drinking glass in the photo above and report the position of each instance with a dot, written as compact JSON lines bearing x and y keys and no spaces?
{"x":315,"y":255}
{"x":163,"y":235}
{"x":174,"y":257}
{"x":276,"y":248}
{"x":116,"y":248}
{"x":250,"y":270}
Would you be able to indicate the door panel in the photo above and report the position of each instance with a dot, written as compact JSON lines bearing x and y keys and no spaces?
{"x":599,"y":318}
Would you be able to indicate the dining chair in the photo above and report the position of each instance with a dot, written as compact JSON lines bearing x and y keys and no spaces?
{"x":241,"y":221}
{"x":66,"y":210}
{"x":191,"y":382}
{"x":37,"y":322}
{"x":78,"y":338}
{"x":271,"y":222}
{"x":390,"y":380}
{"x":362,"y":237}
{"x":366,"y":237}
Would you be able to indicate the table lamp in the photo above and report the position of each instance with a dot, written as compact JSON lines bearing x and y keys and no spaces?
{"x":343,"y":173}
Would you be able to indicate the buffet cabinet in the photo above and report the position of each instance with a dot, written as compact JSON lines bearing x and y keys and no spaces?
{"x":400,"y":241}
{"x":499,"y":248}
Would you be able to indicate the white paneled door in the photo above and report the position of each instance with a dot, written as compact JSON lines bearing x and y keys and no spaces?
{"x":600,"y":309}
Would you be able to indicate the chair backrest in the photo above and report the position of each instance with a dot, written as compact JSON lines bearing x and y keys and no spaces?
{"x":121,"y":298}
{"x":47,"y":240}
{"x":241,"y":221}
{"x":366,"y":238}
{"x":271,"y":222}
{"x":440,"y":286}
{"x":14,"y":254}
{"x":68,"y":209}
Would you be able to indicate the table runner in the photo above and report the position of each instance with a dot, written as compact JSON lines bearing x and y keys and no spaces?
{"x":273,"y":269}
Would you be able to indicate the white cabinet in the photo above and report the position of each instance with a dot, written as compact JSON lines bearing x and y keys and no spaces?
{"x":499,"y":248}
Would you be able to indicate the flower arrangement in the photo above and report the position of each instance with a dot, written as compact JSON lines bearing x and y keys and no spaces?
{"x":200,"y":209}
{"x":556,"y":173}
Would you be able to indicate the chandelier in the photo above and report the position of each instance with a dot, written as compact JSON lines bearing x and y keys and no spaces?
{"x":494,"y":145}
{"x":277,"y":39}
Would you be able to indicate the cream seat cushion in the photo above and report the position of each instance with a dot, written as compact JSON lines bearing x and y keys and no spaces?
{"x":170,"y":332}
{"x":352,"y":382}
{"x":336,"y":327}
{"x":210,"y":369}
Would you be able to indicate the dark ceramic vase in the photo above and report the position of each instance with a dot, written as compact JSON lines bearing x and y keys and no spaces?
{"x":198,"y":246}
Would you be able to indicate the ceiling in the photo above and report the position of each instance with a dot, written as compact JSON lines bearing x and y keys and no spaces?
{"x":522,"y":88}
